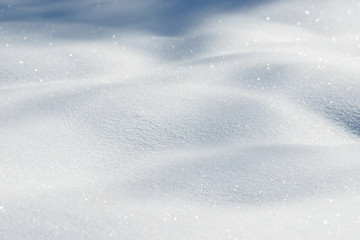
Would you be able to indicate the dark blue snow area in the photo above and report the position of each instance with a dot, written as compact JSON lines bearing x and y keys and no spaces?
{"x":157,"y":16}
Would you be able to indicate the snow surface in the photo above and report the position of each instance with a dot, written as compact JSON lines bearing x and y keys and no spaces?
{"x":151,"y":119}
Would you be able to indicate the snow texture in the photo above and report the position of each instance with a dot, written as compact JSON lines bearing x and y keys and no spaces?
{"x":154,"y":119}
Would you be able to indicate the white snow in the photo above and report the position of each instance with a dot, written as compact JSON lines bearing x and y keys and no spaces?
{"x":242,"y":124}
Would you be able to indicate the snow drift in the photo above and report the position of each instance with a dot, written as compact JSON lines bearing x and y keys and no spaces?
{"x":226,"y":121}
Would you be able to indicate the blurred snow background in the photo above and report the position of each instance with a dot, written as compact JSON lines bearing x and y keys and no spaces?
{"x":153,"y":119}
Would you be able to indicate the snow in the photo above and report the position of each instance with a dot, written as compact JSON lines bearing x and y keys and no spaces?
{"x":181,"y":120}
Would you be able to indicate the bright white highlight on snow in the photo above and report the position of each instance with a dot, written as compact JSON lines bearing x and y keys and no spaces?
{"x":244,"y":125}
